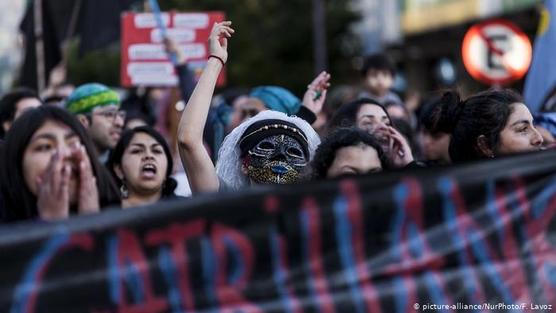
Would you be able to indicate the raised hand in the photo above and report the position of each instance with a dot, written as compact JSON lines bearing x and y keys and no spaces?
{"x":201,"y":172}
{"x":314,"y":97}
{"x":88,"y":199}
{"x":218,"y":40}
{"x":53,"y":189}
{"x":400,"y":151}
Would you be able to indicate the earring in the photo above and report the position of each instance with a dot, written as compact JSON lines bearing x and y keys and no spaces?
{"x":123,"y":191}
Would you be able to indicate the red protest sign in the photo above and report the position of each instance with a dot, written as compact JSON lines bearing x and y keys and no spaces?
{"x":144,"y":62}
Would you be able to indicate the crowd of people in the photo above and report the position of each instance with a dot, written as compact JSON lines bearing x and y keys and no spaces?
{"x":91,"y":151}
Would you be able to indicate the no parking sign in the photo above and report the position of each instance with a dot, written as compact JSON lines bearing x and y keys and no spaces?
{"x":496,"y":52}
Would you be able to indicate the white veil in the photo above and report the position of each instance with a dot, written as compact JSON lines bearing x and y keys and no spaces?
{"x":228,"y":167}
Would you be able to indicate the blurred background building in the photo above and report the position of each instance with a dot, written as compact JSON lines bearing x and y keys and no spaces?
{"x":425,"y":36}
{"x":10,"y":43}
{"x":274,"y":43}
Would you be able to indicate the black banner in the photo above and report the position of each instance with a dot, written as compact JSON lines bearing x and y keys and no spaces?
{"x":479,"y":237}
{"x":97,"y":24}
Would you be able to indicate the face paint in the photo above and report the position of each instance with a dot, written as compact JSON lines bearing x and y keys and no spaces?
{"x":277,"y":159}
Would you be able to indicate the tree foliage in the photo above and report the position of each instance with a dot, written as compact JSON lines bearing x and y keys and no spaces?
{"x":273,"y":43}
{"x":101,"y":66}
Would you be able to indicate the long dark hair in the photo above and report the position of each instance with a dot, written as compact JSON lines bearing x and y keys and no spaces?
{"x":118,"y":152}
{"x":346,"y":114}
{"x":430,"y":117}
{"x":485,"y":113}
{"x":20,"y":202}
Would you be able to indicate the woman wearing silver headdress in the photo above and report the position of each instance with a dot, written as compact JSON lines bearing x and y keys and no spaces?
{"x":269,"y":148}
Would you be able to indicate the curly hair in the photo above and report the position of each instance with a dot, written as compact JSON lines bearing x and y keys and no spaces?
{"x":337,"y":139}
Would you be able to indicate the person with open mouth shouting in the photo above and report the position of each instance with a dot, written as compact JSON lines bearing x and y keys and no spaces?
{"x":141,"y":163}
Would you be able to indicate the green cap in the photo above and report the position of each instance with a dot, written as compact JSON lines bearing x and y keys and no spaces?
{"x":89,"y":96}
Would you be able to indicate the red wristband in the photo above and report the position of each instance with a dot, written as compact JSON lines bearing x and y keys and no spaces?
{"x":218,"y":58}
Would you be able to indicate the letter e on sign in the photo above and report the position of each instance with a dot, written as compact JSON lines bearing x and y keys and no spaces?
{"x":496,"y":52}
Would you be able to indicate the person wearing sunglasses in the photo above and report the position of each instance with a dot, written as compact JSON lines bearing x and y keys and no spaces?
{"x":98,"y":108}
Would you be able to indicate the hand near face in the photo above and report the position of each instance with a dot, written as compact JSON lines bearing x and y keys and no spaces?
{"x":316,"y":92}
{"x":87,"y":199}
{"x":53,"y":189}
{"x":400,"y":152}
{"x":218,"y":40}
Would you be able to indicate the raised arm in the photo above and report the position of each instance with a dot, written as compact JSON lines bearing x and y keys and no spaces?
{"x":186,"y":77}
{"x":200,"y":170}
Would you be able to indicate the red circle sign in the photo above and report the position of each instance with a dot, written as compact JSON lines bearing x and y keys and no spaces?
{"x":496,"y":52}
